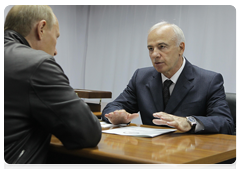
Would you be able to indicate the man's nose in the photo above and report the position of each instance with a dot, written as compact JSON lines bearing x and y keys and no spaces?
{"x":156,"y":53}
{"x":55,"y":52}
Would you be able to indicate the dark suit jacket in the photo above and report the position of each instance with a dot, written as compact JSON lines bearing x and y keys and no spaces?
{"x":38,"y":102}
{"x":198,"y":92}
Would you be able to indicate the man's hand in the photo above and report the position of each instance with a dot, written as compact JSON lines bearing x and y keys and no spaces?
{"x":180,"y":123}
{"x":120,"y":116}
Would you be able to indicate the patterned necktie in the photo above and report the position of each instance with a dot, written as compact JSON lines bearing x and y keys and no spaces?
{"x":166,"y":93}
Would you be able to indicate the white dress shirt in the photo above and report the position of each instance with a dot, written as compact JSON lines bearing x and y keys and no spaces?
{"x":175,"y":77}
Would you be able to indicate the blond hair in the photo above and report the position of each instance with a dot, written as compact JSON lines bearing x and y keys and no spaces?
{"x":21,"y":18}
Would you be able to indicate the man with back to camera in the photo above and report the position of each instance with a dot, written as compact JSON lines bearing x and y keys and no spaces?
{"x":38,"y":100}
{"x":193,"y":101}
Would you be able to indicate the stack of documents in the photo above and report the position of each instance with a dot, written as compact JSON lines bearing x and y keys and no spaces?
{"x":138,"y":131}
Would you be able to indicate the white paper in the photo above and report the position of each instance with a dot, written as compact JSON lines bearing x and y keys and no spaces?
{"x":138,"y":131}
{"x":108,"y":125}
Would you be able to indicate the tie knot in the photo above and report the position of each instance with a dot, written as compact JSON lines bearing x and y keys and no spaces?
{"x":167,"y":83}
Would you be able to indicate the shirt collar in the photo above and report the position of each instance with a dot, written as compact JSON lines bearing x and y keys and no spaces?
{"x":174,"y":78}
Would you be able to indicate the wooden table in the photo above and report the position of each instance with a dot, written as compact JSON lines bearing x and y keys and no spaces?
{"x":98,"y":114}
{"x":172,"y":148}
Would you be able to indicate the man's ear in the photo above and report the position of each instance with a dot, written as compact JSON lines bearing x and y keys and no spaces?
{"x":41,"y":26}
{"x":182,"y":48}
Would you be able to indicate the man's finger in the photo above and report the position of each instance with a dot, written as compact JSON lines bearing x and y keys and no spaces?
{"x":159,"y":114}
{"x":159,"y":122}
{"x":133,"y":116}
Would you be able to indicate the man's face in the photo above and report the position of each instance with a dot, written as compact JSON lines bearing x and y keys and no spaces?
{"x":50,"y":39}
{"x":165,"y":55}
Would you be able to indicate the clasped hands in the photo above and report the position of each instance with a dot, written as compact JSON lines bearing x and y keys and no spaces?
{"x":179,"y":123}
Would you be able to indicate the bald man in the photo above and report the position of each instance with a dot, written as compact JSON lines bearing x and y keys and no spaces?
{"x":173,"y":92}
{"x":38,"y":100}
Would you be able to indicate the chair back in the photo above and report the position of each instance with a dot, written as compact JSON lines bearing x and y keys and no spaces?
{"x":231,"y":99}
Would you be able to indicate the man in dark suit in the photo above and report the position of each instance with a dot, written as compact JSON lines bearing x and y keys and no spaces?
{"x":38,"y":100}
{"x":194,"y":100}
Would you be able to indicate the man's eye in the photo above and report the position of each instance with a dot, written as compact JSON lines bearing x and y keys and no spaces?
{"x":150,"y":49}
{"x":162,"y":47}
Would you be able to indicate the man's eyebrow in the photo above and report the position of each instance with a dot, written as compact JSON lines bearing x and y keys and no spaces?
{"x":162,"y":43}
{"x":149,"y":46}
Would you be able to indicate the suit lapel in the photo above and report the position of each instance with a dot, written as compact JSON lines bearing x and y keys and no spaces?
{"x":155,"y":87}
{"x":182,"y":87}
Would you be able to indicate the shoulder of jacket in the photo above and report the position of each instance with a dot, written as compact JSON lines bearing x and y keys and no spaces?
{"x":146,"y":73}
{"x":147,"y":70}
{"x":204,"y":72}
{"x":198,"y":71}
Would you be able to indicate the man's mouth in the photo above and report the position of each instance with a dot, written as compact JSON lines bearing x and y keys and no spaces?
{"x":158,"y":62}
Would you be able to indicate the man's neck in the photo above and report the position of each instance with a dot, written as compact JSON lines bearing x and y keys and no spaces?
{"x":170,"y":73}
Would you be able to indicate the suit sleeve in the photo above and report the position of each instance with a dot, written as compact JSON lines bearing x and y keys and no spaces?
{"x":218,"y":118}
{"x":57,"y":108}
{"x":127,"y":100}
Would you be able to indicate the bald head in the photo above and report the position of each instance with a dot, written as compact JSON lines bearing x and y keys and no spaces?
{"x":21,"y":18}
{"x":178,"y":35}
